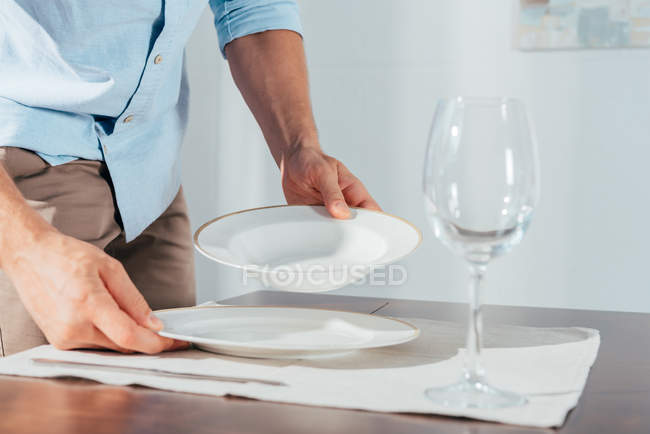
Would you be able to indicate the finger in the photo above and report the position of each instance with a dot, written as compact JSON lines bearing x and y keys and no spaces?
{"x":370,"y":204}
{"x":179,"y":345}
{"x":100,"y":341}
{"x":328,"y":186}
{"x":127,"y":296}
{"x":309,"y":197}
{"x":122,"y":330}
{"x":354,"y":191}
{"x":357,"y":195}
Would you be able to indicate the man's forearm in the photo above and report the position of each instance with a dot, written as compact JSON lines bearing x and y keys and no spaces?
{"x":270,"y":70}
{"x":19,"y":223}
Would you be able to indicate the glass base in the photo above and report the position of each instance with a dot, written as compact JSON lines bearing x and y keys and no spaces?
{"x":474,"y":394}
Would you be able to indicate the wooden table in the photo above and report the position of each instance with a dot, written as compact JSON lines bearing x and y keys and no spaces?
{"x":616,"y":398}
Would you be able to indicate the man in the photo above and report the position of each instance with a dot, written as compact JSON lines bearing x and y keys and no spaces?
{"x":93,"y":104}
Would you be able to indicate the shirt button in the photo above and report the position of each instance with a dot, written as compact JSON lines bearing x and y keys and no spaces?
{"x":157,"y":59}
{"x":128,"y":119}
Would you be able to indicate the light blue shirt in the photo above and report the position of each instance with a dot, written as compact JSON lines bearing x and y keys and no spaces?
{"x":105,"y":80}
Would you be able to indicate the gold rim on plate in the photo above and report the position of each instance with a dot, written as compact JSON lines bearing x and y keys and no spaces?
{"x":244,"y":267}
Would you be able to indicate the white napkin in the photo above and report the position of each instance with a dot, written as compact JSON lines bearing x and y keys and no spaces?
{"x":549,"y":365}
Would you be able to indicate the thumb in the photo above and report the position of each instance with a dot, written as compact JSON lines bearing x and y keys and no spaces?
{"x":128,"y":297}
{"x":328,"y":186}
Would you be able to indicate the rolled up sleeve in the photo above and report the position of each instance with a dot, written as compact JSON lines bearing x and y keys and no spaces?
{"x":236,"y":18}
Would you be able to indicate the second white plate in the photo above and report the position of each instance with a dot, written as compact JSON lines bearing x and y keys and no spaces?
{"x":302,"y":248}
{"x":282,"y":332}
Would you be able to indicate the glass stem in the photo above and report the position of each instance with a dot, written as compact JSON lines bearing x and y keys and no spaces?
{"x":473,"y":369}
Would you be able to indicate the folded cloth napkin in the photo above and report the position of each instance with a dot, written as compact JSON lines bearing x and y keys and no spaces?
{"x":548,"y":365}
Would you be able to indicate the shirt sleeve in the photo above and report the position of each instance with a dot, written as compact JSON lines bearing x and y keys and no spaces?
{"x":236,"y":18}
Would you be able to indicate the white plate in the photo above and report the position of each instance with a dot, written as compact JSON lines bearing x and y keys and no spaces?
{"x":282,"y":332}
{"x":302,"y":248}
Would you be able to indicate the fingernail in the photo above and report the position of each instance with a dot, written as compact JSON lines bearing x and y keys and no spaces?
{"x":341,"y":208}
{"x":155,"y":322}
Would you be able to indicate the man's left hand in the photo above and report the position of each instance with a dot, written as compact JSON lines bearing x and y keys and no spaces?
{"x":310,"y":177}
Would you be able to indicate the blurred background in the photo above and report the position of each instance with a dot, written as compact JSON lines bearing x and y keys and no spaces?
{"x":377,"y":68}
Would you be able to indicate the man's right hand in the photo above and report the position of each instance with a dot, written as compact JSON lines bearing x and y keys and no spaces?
{"x":80,"y":297}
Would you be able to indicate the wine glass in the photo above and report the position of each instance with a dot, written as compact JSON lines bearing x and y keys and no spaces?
{"x":481,"y":184}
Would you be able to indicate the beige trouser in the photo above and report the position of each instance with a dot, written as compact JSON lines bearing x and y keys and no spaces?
{"x":78,"y":199}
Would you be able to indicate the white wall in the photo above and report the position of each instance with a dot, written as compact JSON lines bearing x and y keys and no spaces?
{"x":377,"y":68}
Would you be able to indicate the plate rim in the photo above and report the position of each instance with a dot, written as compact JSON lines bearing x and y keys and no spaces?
{"x":254,"y":267}
{"x":208,"y":341}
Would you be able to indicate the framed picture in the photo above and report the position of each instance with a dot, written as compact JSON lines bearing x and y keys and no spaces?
{"x":576,"y":24}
